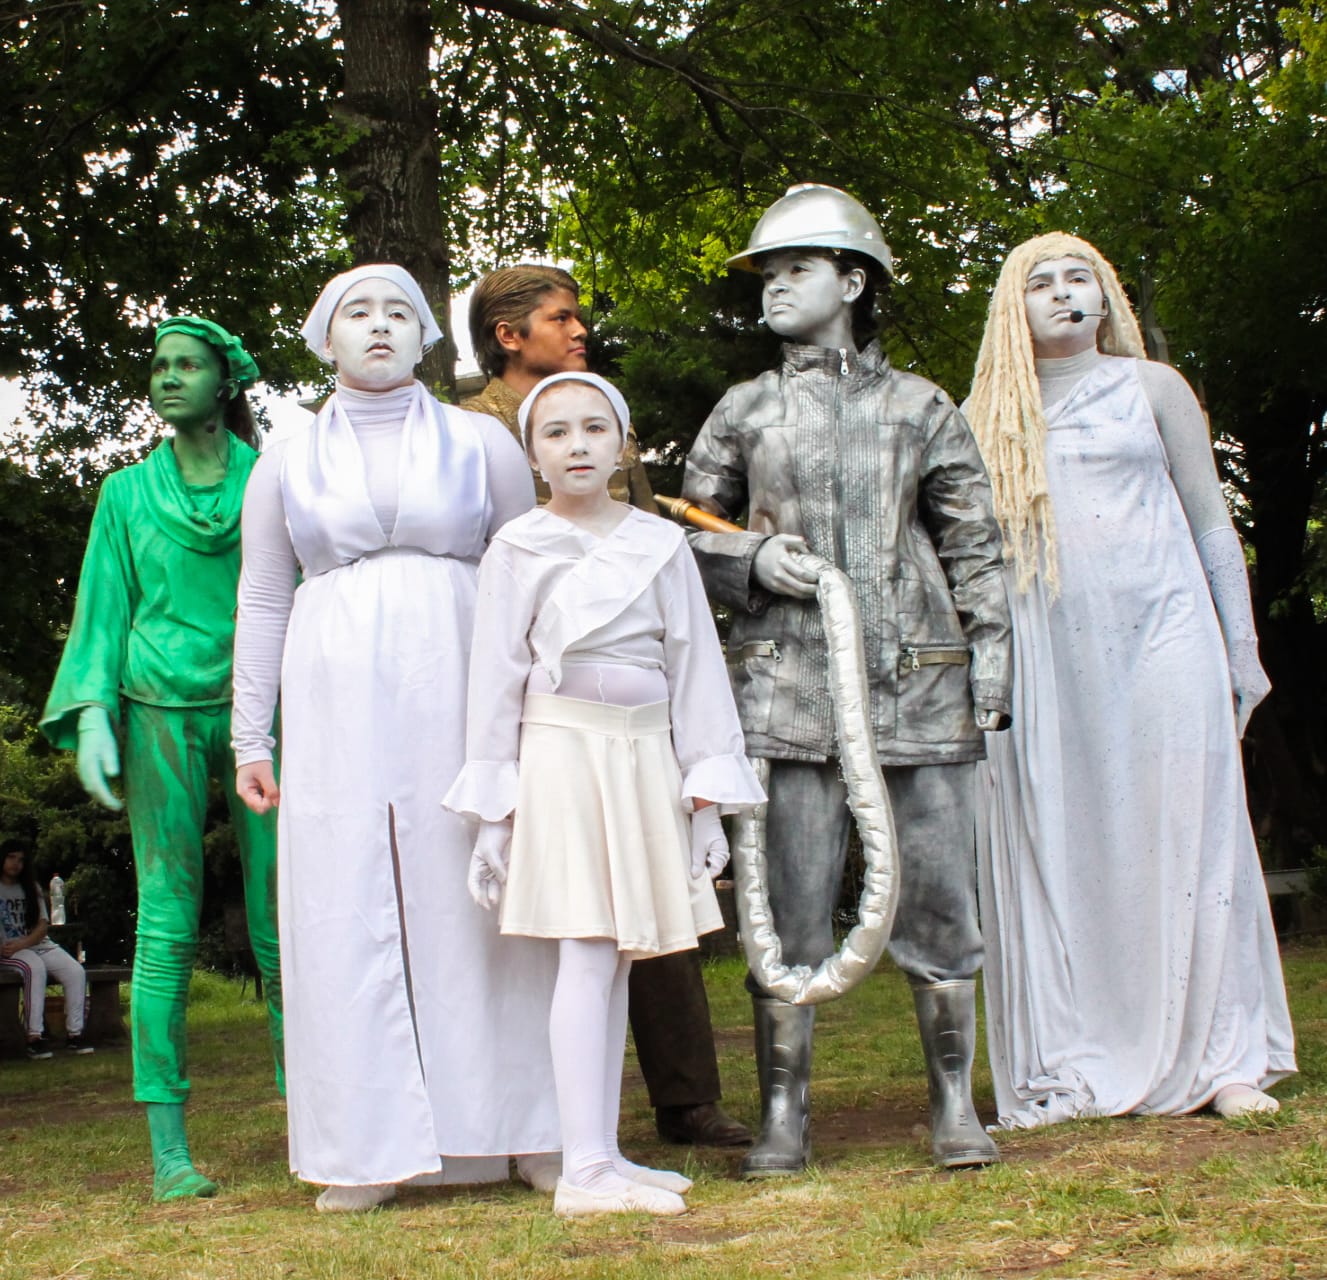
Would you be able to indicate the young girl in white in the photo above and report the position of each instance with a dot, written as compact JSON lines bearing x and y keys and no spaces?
{"x":600,"y":715}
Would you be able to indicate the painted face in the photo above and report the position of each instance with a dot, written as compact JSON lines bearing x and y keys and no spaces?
{"x":575,"y":439}
{"x":554,"y":341}
{"x":1054,"y":290}
{"x":806,"y":299}
{"x":375,"y":338}
{"x":187,"y":383}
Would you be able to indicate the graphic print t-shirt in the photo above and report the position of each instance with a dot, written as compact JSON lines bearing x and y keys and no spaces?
{"x":14,"y":911}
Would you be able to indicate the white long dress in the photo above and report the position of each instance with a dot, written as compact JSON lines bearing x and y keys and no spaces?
{"x":1131,"y":964}
{"x":413,"y":1029}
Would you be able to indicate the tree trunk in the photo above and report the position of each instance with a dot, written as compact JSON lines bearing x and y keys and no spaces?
{"x":391,"y":168}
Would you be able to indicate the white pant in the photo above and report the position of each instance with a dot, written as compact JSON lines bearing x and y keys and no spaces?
{"x":54,"y":964}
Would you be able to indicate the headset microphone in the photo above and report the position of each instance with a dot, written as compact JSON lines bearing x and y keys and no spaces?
{"x":1077,"y":317}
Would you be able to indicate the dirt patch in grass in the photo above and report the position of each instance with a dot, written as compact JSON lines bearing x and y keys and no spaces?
{"x":1025,"y":1260}
{"x":677,"y":1232}
{"x":272,"y":1151}
{"x":685,"y":1233}
{"x":1174,"y":1144}
{"x":76,"y":1108}
{"x":733,"y":1038}
{"x":112,"y":1181}
{"x":887,"y":1123}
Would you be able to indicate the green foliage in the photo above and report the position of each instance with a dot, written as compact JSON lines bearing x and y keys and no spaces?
{"x":165,"y":157}
{"x":43,"y":527}
{"x":1317,"y":869}
{"x":157,"y":159}
{"x":1186,"y":141}
{"x":42,"y":801}
{"x":1204,"y":183}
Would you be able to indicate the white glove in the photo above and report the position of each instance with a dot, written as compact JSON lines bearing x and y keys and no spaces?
{"x":709,"y":845}
{"x":488,"y":863}
{"x":1228,"y":581}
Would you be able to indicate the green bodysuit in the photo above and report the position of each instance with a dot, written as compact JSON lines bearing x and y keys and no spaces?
{"x":151,"y":642}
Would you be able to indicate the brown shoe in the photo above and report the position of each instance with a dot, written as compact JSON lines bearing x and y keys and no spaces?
{"x":704,"y":1125}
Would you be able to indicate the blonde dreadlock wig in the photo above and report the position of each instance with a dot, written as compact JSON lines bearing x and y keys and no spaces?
{"x":1005,"y":405}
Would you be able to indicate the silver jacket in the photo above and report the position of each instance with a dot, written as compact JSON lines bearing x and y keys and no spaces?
{"x":879,"y":473}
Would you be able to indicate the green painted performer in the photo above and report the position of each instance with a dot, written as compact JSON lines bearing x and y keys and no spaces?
{"x":145,"y":679}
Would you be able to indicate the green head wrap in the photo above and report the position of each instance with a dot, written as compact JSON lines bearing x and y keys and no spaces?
{"x":240,"y":366}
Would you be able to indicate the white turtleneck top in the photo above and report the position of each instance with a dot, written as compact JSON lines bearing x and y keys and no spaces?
{"x":1180,"y":423}
{"x":270,"y":569}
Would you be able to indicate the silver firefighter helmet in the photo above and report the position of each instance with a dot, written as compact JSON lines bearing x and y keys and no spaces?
{"x":813,"y":216}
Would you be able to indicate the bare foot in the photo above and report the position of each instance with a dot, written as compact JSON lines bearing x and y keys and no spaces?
{"x":1242,"y":1100}
{"x":355,"y":1199}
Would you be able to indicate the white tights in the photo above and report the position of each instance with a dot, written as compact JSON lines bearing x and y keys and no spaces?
{"x":587,"y":1031}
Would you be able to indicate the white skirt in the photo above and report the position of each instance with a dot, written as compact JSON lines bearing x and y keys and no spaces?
{"x":600,"y":843}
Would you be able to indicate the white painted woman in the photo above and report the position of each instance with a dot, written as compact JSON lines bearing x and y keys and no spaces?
{"x":415,"y":1034}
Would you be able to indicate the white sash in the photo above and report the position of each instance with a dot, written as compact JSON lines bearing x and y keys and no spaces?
{"x":444,"y":507}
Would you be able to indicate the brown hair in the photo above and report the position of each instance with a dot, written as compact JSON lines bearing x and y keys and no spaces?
{"x":32,"y":894}
{"x":238,"y":419}
{"x":508,"y":295}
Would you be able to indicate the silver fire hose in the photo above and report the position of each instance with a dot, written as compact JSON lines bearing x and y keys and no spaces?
{"x":867,"y":798}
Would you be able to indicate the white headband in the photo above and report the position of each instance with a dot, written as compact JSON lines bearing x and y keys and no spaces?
{"x":613,"y":395}
{"x":319,"y":321}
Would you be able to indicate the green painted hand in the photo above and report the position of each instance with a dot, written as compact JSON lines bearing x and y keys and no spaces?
{"x":98,"y":756}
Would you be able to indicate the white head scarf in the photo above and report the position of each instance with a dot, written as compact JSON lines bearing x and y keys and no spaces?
{"x":319,"y":321}
{"x":614,"y":396}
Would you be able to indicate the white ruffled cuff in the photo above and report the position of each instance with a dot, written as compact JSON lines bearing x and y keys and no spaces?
{"x":484,"y":789}
{"x":727,"y":781}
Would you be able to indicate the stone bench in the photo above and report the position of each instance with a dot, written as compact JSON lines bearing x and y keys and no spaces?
{"x":104,"y":1024}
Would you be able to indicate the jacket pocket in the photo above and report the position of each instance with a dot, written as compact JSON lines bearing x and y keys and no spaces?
{"x":934,"y":694}
{"x":755,"y":671}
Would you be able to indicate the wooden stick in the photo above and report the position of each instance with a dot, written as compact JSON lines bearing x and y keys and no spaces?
{"x":688,"y":513}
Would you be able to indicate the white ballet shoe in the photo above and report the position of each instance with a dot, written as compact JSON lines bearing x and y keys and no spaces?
{"x":540,"y":1170}
{"x":666,"y":1179}
{"x":1243,"y":1100}
{"x":626,"y":1197}
{"x":355,"y":1199}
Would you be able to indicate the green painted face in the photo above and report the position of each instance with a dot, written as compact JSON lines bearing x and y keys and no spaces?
{"x":188,"y":382}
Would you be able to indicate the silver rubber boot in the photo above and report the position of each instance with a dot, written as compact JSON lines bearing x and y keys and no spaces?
{"x":783,"y":1064}
{"x":947,"y":1019}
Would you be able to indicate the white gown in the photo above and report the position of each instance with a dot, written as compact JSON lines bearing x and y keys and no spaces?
{"x":1131,"y":964}
{"x":413,"y":1029}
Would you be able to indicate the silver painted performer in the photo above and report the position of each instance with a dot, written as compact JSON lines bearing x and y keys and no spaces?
{"x":876,"y":471}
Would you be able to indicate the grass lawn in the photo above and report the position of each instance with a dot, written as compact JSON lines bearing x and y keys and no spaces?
{"x":1188,"y":1196}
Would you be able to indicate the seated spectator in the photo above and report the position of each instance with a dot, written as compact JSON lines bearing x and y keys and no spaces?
{"x":24,"y":924}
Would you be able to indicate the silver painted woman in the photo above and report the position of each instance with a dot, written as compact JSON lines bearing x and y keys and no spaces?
{"x":1131,"y":962}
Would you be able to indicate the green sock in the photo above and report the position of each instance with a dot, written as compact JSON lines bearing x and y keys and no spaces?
{"x":173,"y":1174}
